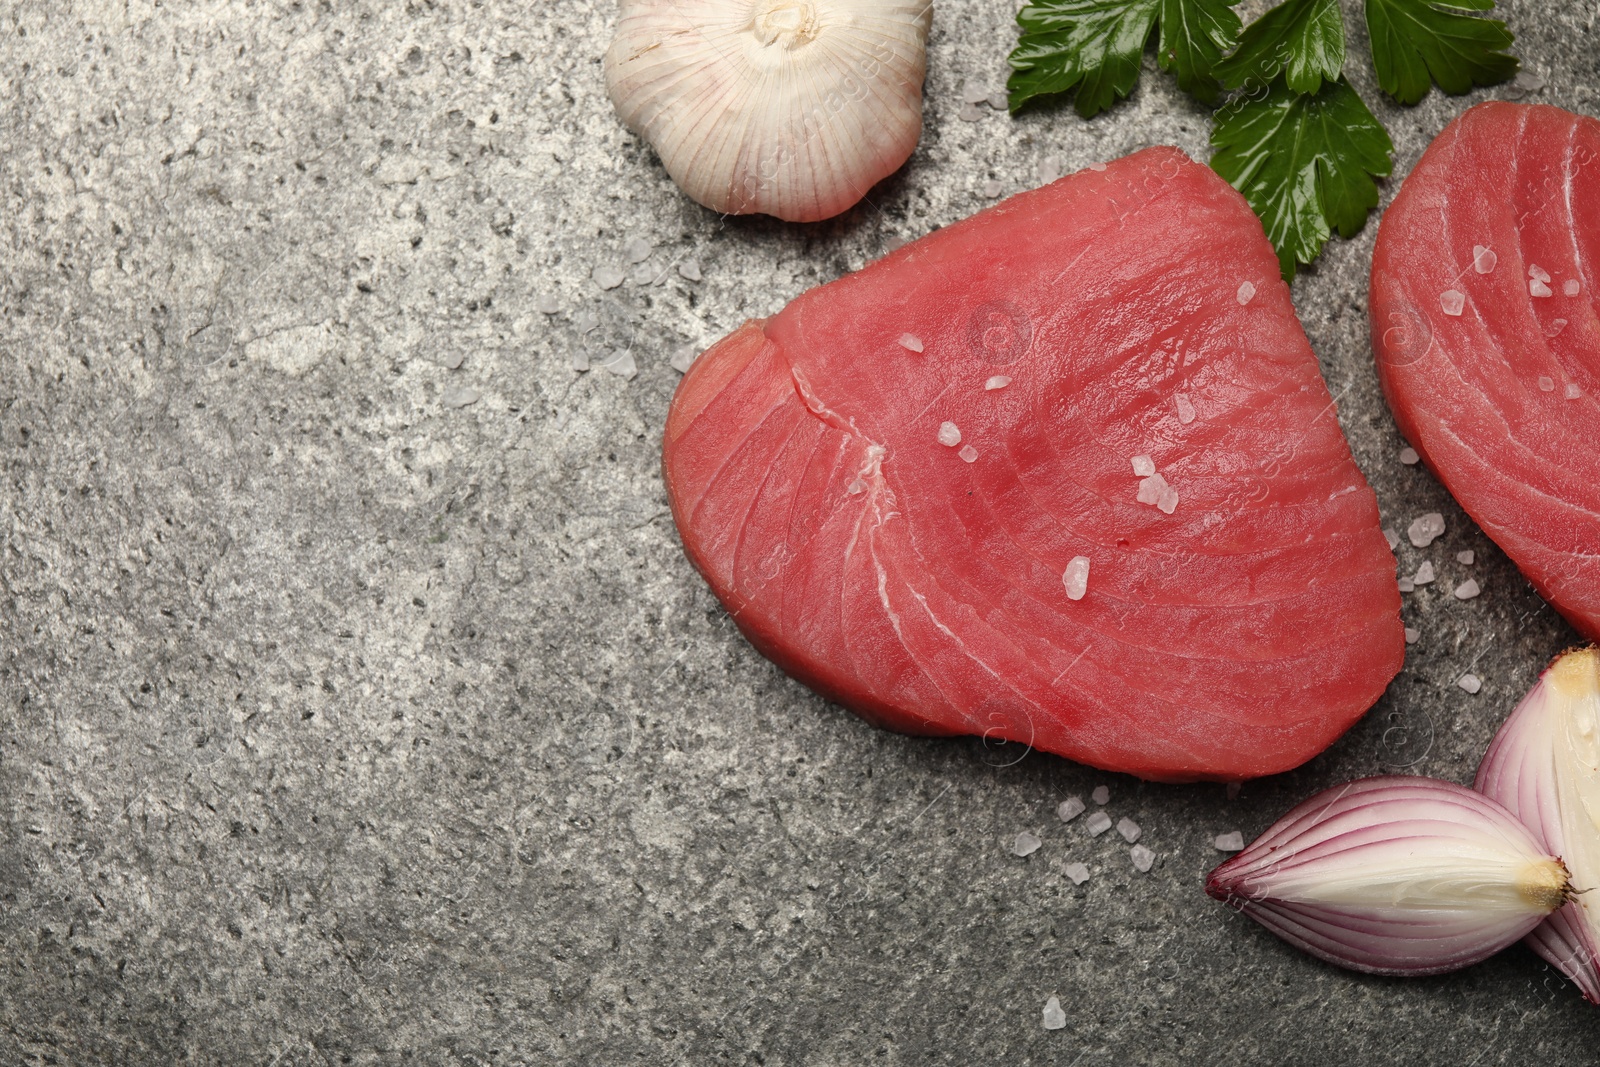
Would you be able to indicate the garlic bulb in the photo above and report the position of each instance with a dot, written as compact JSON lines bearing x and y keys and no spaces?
{"x":1544,"y":765}
{"x":793,"y":108}
{"x":1395,"y":875}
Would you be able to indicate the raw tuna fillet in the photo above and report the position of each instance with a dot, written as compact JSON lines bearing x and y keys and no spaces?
{"x":1064,"y":473}
{"x":1487,"y":341}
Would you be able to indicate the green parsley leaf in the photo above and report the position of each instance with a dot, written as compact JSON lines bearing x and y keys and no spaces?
{"x":1194,"y":35}
{"x":1413,"y":40}
{"x":1305,"y":163}
{"x":1096,"y":46}
{"x":1302,"y":39}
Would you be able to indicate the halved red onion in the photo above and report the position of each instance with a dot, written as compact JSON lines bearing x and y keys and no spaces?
{"x":1544,"y":766}
{"x":1395,"y":875}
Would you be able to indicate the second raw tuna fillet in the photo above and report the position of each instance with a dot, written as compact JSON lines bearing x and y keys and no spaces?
{"x":1064,"y":473}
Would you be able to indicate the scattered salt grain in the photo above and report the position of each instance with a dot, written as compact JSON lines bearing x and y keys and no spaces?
{"x":1143,"y":466}
{"x":969,"y":454}
{"x":1078,"y":872}
{"x":1155,"y":490}
{"x":949,"y":434}
{"x":684,"y":358}
{"x":970,"y":113}
{"x":1573,"y":392}
{"x":1470,"y":682}
{"x":1049,"y":170}
{"x":999,"y":100}
{"x":689,"y":270}
{"x":1547,"y":384}
{"x":992,"y":189}
{"x":547,"y":304}
{"x":1452,"y":301}
{"x":1054,"y":1017}
{"x":1168,"y":502}
{"x":999,"y":381}
{"x":1409,"y":457}
{"x":1393,"y":538}
{"x":1101,"y":795}
{"x":580,"y":360}
{"x":1426,"y":529}
{"x":1537,"y":272}
{"x":1412,"y":635}
{"x":973,"y":93}
{"x":1572,"y":287}
{"x":1076,"y":577}
{"x":1129,"y":830}
{"x":911,"y":342}
{"x":622,"y":365}
{"x":1143,"y":858}
{"x":637,"y":250}
{"x":1484,"y":259}
{"x":1098,"y":823}
{"x":1424,"y":573}
{"x":1538,"y":288}
{"x":1406,"y":585}
{"x":1185,"y":409}
{"x":1232,"y":841}
{"x":1070,"y":809}
{"x":460,"y":396}
{"x":1467,"y":589}
{"x":893,"y":243}
{"x":1247,"y":293}
{"x":1526,"y":81}
{"x":1026,"y":844}
{"x":1555,"y":327}
{"x":1466,"y":556}
{"x":607,"y":277}
{"x":1097,"y":166}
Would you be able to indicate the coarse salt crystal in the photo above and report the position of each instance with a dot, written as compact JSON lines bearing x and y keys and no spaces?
{"x":1470,"y":682}
{"x":999,"y":100}
{"x":1467,"y":589}
{"x":1247,"y":293}
{"x":1409,"y":456}
{"x":637,"y":250}
{"x":999,"y":381}
{"x":1185,"y":409}
{"x":1538,"y":273}
{"x":949,"y":434}
{"x":547,"y":304}
{"x":580,"y":360}
{"x":970,"y":113}
{"x":1424,"y":573}
{"x":1452,"y":301}
{"x":1078,"y":872}
{"x":1466,"y":556}
{"x":1547,"y":384}
{"x":1393,"y":538}
{"x":1098,"y":823}
{"x":1571,"y":287}
{"x":1484,"y":259}
{"x":1070,"y":809}
{"x":1555,"y":327}
{"x":1538,"y":288}
{"x":1232,"y":841}
{"x":1129,"y":830}
{"x":622,"y":364}
{"x":1143,"y":858}
{"x":1144,"y":466}
{"x":1412,"y":635}
{"x":684,"y":358}
{"x":1049,"y":170}
{"x":1054,"y":1017}
{"x":1025,"y":844}
{"x":1573,"y":392}
{"x":1406,"y":585}
{"x":1076,"y":577}
{"x":1101,"y":795}
{"x":1168,"y":500}
{"x":689,"y":270}
{"x":974,"y":93}
{"x":1097,"y":166}
{"x":607,"y":277}
{"x":968,"y":454}
{"x":1424,"y":530}
{"x":911,"y":342}
{"x":992,"y":189}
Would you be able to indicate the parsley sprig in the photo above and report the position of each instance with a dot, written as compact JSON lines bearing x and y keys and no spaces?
{"x":1294,"y":137}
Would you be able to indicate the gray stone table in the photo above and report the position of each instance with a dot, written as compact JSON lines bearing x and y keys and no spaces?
{"x":357,"y":704}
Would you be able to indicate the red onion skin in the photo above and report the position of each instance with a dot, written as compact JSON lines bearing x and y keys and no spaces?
{"x":1522,"y":779}
{"x":1371,"y":940}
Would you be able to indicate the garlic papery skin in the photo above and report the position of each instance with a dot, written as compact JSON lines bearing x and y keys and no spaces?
{"x":793,"y":108}
{"x":1544,"y":765}
{"x":1395,"y":875}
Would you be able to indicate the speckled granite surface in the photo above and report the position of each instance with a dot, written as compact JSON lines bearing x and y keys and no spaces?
{"x":357,"y":704}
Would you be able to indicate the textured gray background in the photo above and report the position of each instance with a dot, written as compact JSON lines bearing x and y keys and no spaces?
{"x":356,"y":702}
